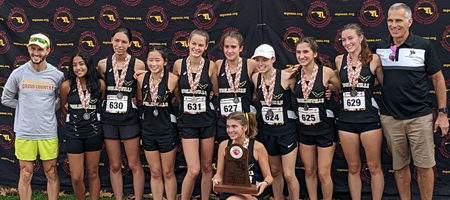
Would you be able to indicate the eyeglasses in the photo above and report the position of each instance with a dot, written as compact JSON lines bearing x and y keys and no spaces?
{"x":393,"y":49}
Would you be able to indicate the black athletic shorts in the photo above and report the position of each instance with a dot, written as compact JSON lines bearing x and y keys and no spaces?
{"x":280,"y":144}
{"x":81,"y":145}
{"x":161,"y":144}
{"x":325,"y":140}
{"x":118,"y":132}
{"x":200,"y":133}
{"x":357,"y":127}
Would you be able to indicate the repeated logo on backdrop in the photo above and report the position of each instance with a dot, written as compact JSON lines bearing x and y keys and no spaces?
{"x":109,"y":17}
{"x":204,"y":17}
{"x":138,"y":46}
{"x":426,"y":11}
{"x":63,"y":19}
{"x":371,"y":13}
{"x":88,"y":42}
{"x":318,"y":14}
{"x":156,"y":18}
{"x":290,"y":38}
{"x":18,"y":20}
{"x":180,"y":43}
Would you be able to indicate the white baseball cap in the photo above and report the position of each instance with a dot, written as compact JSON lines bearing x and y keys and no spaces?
{"x":264,"y":50}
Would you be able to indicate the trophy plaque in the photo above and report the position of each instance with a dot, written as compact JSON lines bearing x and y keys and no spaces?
{"x":236,"y":177}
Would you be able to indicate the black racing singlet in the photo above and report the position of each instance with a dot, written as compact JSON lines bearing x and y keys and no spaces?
{"x":316,"y":99}
{"x":244,"y":91}
{"x":198,"y":120}
{"x":159,"y":125}
{"x":253,"y":166}
{"x":281,"y":98}
{"x":366,"y":84}
{"x":128,"y":90}
{"x":78,"y":127}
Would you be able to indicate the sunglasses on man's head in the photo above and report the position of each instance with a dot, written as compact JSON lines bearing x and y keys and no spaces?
{"x":40,"y":40}
{"x":393,"y":49}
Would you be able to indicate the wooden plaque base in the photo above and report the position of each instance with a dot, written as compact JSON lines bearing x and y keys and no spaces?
{"x":220,"y":188}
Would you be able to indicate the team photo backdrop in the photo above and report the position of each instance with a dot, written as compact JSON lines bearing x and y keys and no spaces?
{"x":88,"y":24}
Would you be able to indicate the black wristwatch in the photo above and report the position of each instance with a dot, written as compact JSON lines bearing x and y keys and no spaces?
{"x":444,"y":110}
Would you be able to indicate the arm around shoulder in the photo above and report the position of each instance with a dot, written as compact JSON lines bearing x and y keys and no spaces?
{"x":139,"y":65}
{"x":101,"y":67}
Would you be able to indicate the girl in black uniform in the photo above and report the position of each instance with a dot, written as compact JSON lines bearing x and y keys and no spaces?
{"x":242,"y":128}
{"x":197,"y":119}
{"x":159,"y":130}
{"x":84,"y":92}
{"x":280,"y":129}
{"x":358,"y":118}
{"x":235,"y":85}
{"x":316,"y":132}
{"x":120,"y":117}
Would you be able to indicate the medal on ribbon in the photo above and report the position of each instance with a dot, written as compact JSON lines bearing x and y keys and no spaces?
{"x":234,"y":86}
{"x":120,"y":79}
{"x":353,"y":74}
{"x":268,"y":95}
{"x":307,"y":88}
{"x":154,"y":85}
{"x":193,"y":83}
{"x":84,"y":99}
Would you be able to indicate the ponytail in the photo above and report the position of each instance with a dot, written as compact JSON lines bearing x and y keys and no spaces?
{"x":248,"y":119}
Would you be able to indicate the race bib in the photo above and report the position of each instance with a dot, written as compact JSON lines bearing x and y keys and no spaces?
{"x":198,"y":105}
{"x":116,"y":105}
{"x":357,"y":103}
{"x":275,"y":118}
{"x":227,"y":106}
{"x":308,"y":117}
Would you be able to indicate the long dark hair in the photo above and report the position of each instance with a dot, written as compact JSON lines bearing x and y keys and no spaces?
{"x":165,"y":56}
{"x":314,"y":47}
{"x":366,"y":54}
{"x":127,"y":32}
{"x":92,"y":76}
{"x":204,"y":34}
